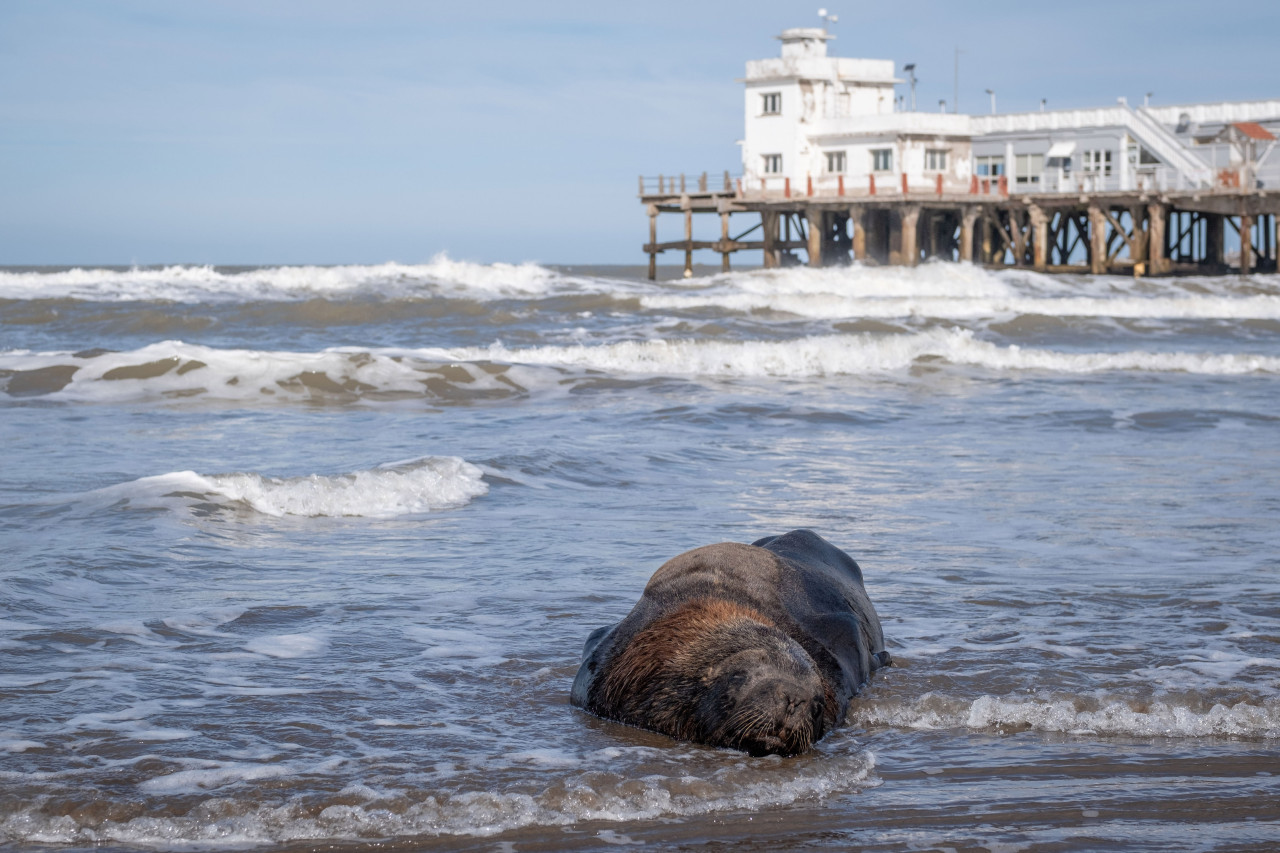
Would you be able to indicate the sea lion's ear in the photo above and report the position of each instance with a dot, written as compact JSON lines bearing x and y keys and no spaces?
{"x":594,"y":639}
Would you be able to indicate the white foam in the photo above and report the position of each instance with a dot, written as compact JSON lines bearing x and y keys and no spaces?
{"x":954,"y":292}
{"x":204,"y":623}
{"x":216,"y":775}
{"x":851,"y":355}
{"x":600,"y":795}
{"x":423,"y":485}
{"x":288,"y":645}
{"x":442,"y":276}
{"x":1079,"y":715}
{"x":171,"y":370}
{"x":174,"y":370}
{"x":20,"y":745}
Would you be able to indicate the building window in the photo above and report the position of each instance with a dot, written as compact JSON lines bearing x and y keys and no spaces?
{"x":1027,"y":168}
{"x":1096,"y":161}
{"x":772,"y":164}
{"x":882,"y":159}
{"x":771,"y":104}
{"x":991,"y":166}
{"x":935,"y":160}
{"x":835,"y":162}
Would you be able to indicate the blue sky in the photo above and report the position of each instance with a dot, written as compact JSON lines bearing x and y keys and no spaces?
{"x":142,"y":131}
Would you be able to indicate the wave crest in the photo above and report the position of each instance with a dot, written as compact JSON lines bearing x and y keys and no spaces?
{"x":441,"y":276}
{"x":406,"y":488}
{"x":1167,"y":717}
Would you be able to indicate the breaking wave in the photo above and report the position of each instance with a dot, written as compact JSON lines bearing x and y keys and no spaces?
{"x":442,"y":276}
{"x":960,"y":292}
{"x":1077,"y":715}
{"x":174,"y":370}
{"x":853,"y":355}
{"x":596,"y":794}
{"x":396,"y":489}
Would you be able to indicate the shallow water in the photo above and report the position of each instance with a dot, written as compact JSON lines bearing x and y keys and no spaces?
{"x":304,"y":557}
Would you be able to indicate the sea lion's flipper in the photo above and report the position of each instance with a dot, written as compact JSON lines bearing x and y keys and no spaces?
{"x":880,"y":660}
{"x":841,"y":635}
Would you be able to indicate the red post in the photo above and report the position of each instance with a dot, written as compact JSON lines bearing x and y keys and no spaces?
{"x":904,"y":183}
{"x":973,"y":184}
{"x":739,"y":187}
{"x":787,"y":188}
{"x":939,"y":184}
{"x":1004,"y":185}
{"x":764,"y":186}
{"x":840,"y":186}
{"x":873,"y":184}
{"x":810,"y":187}
{"x":986,"y":186}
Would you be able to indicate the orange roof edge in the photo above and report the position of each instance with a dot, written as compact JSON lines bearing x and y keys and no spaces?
{"x":1253,"y":130}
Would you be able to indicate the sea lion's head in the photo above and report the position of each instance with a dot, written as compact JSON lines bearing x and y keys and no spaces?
{"x":761,"y":693}
{"x":717,"y":673}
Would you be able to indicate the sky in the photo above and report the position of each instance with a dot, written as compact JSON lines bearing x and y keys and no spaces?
{"x":309,"y":131}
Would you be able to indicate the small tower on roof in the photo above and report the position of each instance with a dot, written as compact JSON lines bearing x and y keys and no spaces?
{"x":804,"y":41}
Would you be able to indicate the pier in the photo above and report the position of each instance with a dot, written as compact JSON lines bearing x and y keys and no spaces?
{"x":836,"y":168}
{"x":1136,"y":232}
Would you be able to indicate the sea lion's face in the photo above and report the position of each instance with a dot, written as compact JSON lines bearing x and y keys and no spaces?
{"x":765,"y":700}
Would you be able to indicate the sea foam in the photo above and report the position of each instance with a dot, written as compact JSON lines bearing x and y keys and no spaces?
{"x":853,"y":355}
{"x":441,"y":276}
{"x":173,"y":370}
{"x":951,"y":291}
{"x":406,"y":488}
{"x":593,"y":793}
{"x":1078,"y":715}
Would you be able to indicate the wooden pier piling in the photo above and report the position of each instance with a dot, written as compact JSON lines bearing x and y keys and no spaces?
{"x":1135,"y":232}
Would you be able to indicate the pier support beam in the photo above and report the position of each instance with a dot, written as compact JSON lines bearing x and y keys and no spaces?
{"x":1019,"y":234}
{"x":1246,"y":243}
{"x":1039,"y":238}
{"x":966,"y":233}
{"x":769,"y":225}
{"x":1214,"y":244}
{"x":1157,"y":238}
{"x":813,"y":217}
{"x":1097,"y":241}
{"x":1140,"y":242}
{"x":688,"y":237}
{"x":724,"y":241}
{"x":858,"y":222}
{"x":653,"y":241}
{"x":909,"y":247}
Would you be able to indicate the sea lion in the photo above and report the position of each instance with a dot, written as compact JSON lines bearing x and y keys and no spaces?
{"x":755,"y":647}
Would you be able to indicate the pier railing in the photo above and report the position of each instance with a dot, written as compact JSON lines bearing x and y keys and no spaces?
{"x":757,"y":187}
{"x":773,"y":187}
{"x":701,"y":183}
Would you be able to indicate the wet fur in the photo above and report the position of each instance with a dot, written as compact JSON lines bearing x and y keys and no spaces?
{"x":753,"y":647}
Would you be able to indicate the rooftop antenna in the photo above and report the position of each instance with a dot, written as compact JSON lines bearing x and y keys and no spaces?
{"x":1146,"y":99}
{"x":827,"y":19}
{"x":955,"y":96}
{"x":992,"y":93}
{"x":910,"y":68}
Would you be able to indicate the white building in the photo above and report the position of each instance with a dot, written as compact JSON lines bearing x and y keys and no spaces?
{"x":822,"y":125}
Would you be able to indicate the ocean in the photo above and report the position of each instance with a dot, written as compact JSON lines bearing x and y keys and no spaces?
{"x":303,"y":558}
